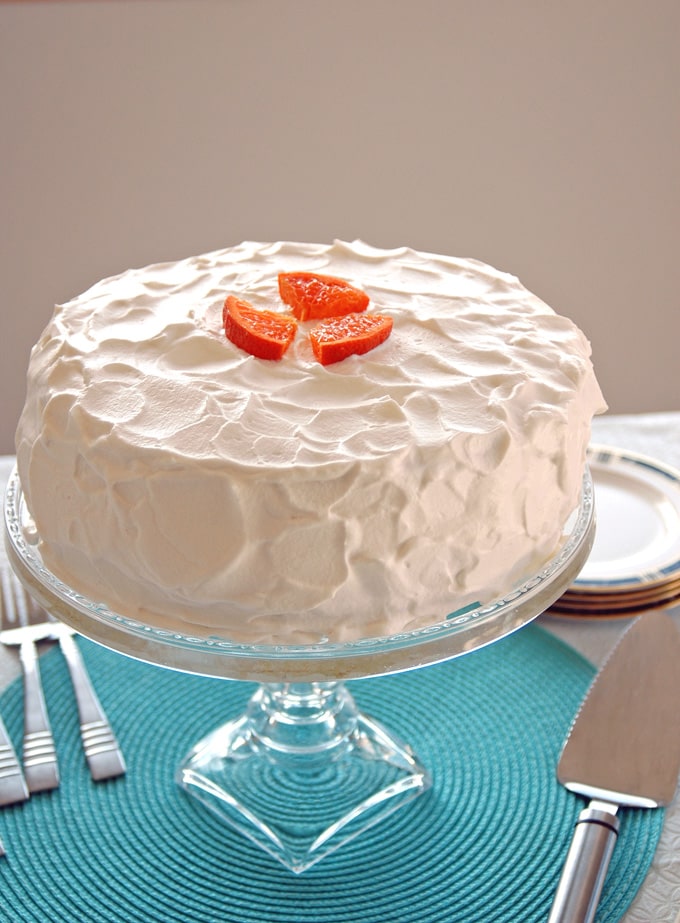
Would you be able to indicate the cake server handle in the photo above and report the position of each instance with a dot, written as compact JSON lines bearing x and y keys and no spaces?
{"x":102,"y":751}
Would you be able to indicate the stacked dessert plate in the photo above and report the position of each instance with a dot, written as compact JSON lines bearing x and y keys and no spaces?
{"x":634,"y":564}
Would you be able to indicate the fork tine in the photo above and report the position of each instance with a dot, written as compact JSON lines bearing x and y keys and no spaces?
{"x":8,"y":612}
{"x":22,"y":600}
{"x":24,"y":609}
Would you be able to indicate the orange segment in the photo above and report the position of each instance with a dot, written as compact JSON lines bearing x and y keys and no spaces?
{"x":264,"y":334}
{"x":312,"y":296}
{"x":339,"y":337}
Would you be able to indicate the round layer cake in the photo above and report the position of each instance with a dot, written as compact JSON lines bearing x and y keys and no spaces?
{"x":179,"y":480}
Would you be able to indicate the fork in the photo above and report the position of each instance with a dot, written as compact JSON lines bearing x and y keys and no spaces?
{"x":17,"y":620}
{"x":102,"y":751}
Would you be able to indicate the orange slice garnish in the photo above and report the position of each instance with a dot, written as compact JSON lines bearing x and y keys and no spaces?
{"x":264,"y":334}
{"x":312,"y":296}
{"x":339,"y":337}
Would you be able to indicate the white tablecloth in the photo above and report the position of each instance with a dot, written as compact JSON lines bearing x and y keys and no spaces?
{"x":655,"y":435}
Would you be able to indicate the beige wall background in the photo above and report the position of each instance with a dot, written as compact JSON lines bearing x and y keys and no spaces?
{"x":540,"y":136}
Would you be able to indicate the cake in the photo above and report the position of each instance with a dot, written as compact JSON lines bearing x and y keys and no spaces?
{"x":179,"y":480}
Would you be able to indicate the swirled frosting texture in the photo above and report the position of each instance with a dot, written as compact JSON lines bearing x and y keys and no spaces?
{"x":185,"y":483}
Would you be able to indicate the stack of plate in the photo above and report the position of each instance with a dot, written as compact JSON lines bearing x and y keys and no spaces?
{"x":635,"y":561}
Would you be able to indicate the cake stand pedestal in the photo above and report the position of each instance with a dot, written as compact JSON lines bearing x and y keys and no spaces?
{"x":346,"y":771}
{"x":302,"y":771}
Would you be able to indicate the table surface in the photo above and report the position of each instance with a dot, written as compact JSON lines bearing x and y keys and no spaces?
{"x":654,"y":435}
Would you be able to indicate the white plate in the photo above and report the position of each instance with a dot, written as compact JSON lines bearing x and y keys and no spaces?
{"x":637,"y":506}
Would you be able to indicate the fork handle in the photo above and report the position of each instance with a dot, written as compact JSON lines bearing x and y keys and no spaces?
{"x":12,"y":785}
{"x":103,"y":754}
{"x":39,"y":753}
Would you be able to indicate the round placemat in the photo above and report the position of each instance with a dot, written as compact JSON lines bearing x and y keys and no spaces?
{"x":486,"y":843}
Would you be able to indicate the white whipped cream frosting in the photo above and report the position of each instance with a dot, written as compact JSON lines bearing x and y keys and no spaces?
{"x":187,"y":484}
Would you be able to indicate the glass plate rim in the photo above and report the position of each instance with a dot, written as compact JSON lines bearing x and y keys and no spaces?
{"x":517,"y":602}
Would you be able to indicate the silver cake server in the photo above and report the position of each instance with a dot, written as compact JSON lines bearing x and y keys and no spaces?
{"x":623,"y":750}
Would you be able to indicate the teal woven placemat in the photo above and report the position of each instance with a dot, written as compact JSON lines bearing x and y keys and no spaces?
{"x":484,"y":845}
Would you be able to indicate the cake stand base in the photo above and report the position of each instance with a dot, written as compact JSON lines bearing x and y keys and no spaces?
{"x":302,"y":771}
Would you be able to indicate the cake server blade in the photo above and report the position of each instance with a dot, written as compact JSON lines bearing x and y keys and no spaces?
{"x":623,"y":749}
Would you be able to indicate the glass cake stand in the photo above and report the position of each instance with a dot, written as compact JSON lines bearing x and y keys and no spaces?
{"x":301,"y":771}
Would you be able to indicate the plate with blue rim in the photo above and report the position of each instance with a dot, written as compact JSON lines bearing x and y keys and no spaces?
{"x":636,"y":552}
